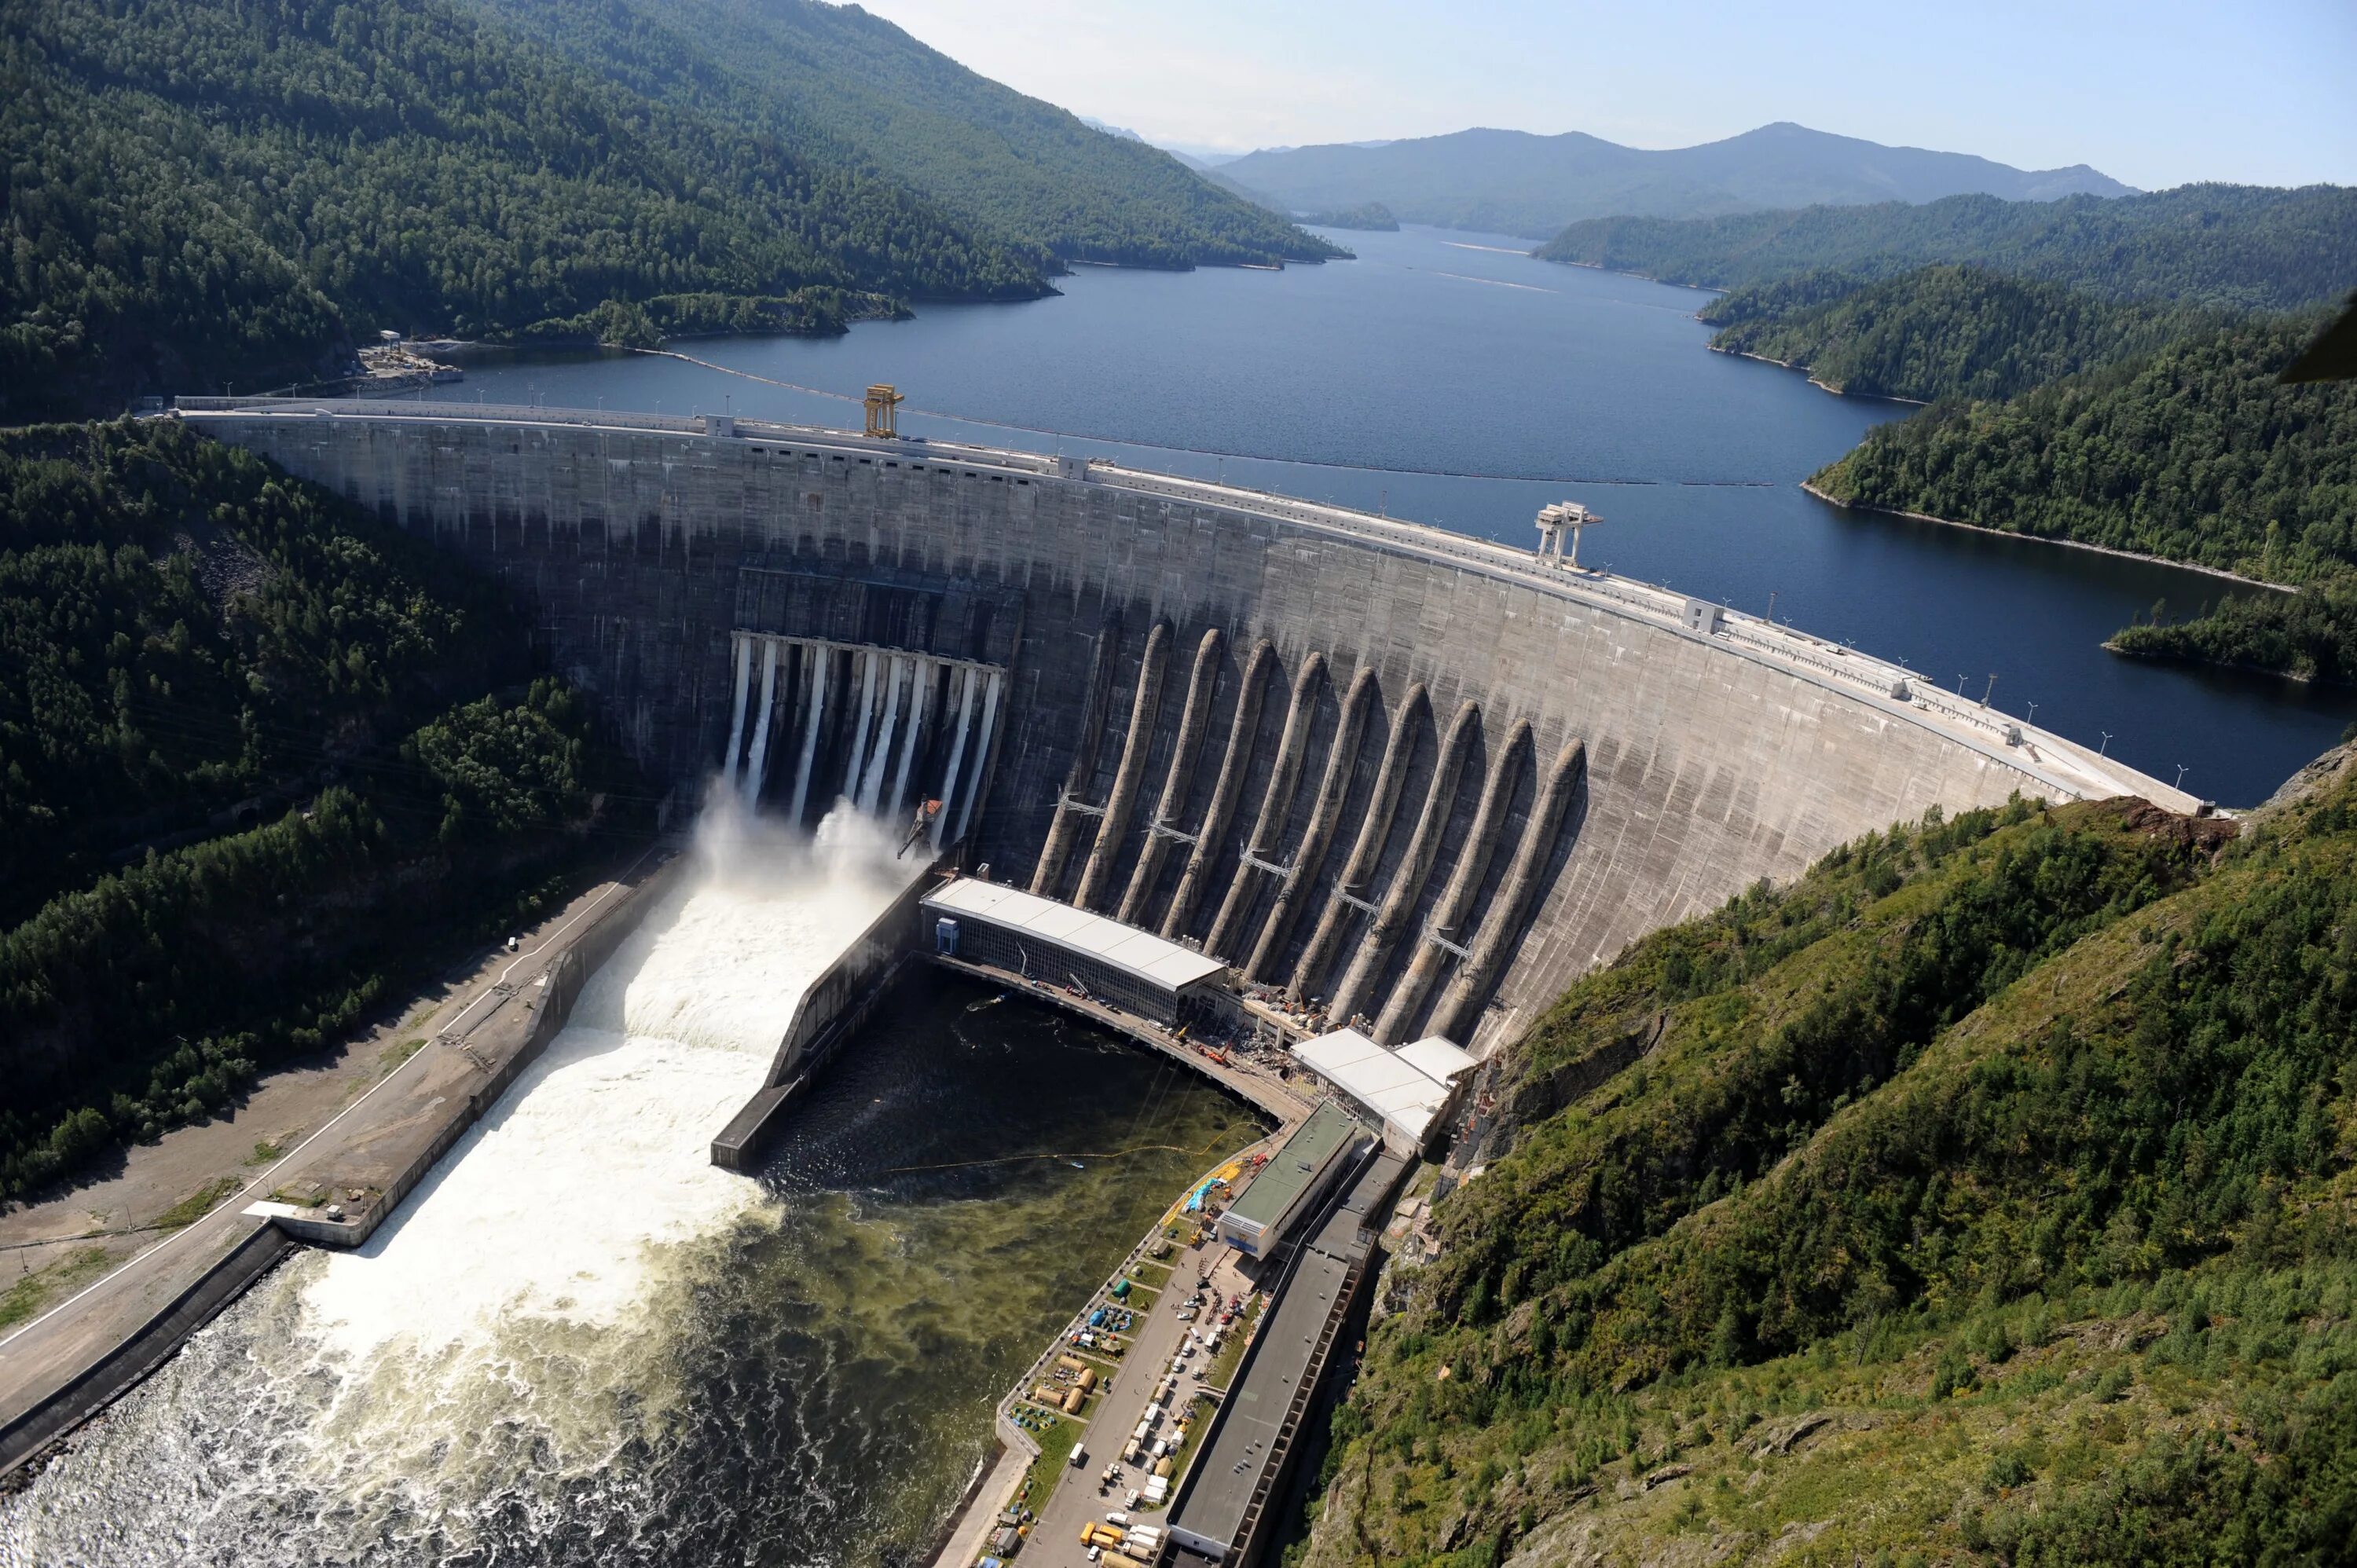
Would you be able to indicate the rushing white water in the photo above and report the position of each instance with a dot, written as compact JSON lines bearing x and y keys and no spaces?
{"x":503,"y":1337}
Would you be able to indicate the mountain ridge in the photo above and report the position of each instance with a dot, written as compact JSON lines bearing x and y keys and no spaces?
{"x":1524,"y":183}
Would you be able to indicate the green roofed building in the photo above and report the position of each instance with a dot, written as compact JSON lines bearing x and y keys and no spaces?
{"x":1297,"y":1176}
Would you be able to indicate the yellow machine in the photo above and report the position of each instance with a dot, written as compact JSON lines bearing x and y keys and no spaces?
{"x":881,"y":421}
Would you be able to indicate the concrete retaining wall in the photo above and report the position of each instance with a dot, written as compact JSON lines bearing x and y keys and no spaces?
{"x":129,"y":1363}
{"x":266,"y":1241}
{"x":1713,"y":760}
{"x":552,"y":1010}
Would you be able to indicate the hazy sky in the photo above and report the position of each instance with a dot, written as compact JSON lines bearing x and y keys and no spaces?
{"x":2155,"y":93}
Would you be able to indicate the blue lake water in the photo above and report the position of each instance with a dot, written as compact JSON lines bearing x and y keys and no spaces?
{"x":1448,"y":377}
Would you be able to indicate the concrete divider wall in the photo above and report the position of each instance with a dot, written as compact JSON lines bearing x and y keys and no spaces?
{"x":1711,"y":764}
{"x":835,"y":1003}
{"x":553,"y":1009}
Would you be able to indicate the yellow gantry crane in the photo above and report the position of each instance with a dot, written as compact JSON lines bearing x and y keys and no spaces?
{"x":881,"y":401}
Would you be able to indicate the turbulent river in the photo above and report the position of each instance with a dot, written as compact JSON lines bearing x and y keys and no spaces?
{"x":581,"y":1343}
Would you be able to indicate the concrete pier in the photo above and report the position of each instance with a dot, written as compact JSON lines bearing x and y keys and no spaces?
{"x":814,"y":704}
{"x":1236,"y":762}
{"x":962,"y":685}
{"x":871,"y":785}
{"x":1276,"y":806}
{"x":757,"y":766}
{"x":1136,"y":746}
{"x":863,"y":662}
{"x":1195,"y":718}
{"x":1064,"y":829}
{"x":975,"y":786}
{"x":1460,"y":1006}
{"x":1357,"y":991}
{"x":737,"y":724}
{"x":1310,"y":858}
{"x":1358,"y":873}
{"x":1457,"y":899}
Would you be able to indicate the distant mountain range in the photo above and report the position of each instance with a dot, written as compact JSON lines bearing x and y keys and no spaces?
{"x":1516,"y":183}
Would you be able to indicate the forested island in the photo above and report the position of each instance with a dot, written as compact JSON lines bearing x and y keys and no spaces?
{"x":247,"y":732}
{"x":2106,"y":373}
{"x":212,"y":195}
{"x":1983,"y":1197}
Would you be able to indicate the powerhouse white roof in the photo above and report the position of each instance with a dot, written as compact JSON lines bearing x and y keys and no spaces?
{"x":1437,"y":1058}
{"x":1389,"y":1083}
{"x":1141,"y":953}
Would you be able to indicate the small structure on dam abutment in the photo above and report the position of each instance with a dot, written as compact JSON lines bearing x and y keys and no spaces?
{"x":1406,"y":778}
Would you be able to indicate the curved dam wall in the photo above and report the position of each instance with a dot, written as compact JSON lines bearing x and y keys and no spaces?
{"x":1418,"y":774}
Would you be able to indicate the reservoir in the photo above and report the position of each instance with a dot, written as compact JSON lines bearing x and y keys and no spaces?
{"x":1447,"y":377}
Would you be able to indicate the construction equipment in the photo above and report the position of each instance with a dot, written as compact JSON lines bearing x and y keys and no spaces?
{"x":926,"y":812}
{"x":1557,"y":519}
{"x":881,"y":421}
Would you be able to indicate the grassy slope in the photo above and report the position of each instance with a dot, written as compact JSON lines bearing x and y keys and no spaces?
{"x":2056,"y":1268}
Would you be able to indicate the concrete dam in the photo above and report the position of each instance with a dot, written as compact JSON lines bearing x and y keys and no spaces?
{"x":1426,"y":778}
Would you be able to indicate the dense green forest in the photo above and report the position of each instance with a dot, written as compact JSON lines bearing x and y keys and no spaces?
{"x":183,"y":628}
{"x":1028,"y":174}
{"x":228,"y":193}
{"x":1943,"y":331}
{"x":2196,"y":451}
{"x":1982,"y":1197}
{"x":191,"y":642}
{"x":2310,"y":635}
{"x":1367,"y":215}
{"x":2250,"y":247}
{"x":415,"y":166}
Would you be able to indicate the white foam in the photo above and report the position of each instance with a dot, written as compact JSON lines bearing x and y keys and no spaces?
{"x":599,"y":1152}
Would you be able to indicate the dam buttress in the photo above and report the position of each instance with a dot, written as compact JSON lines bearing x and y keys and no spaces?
{"x":1429,"y":778}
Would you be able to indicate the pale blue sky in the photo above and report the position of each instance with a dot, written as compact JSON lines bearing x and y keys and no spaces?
{"x":2155,"y":95}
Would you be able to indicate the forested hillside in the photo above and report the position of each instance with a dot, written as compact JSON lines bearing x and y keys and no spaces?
{"x":218,"y":194}
{"x":1942,"y":332}
{"x":2253,"y":247}
{"x":329,"y":169}
{"x":1985,"y":1197}
{"x":2196,"y":451}
{"x":1034,"y":178}
{"x":262,"y":759}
